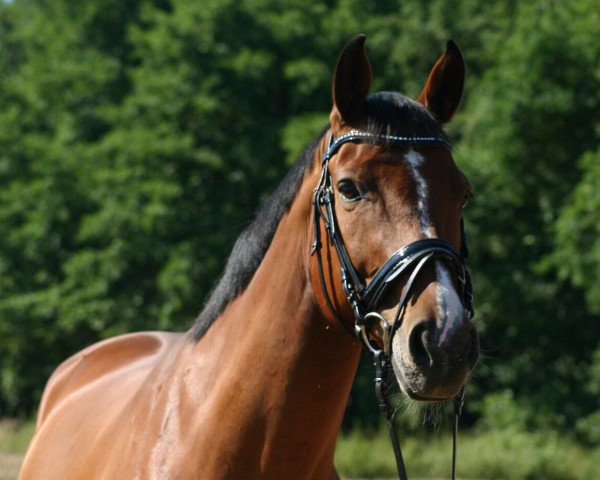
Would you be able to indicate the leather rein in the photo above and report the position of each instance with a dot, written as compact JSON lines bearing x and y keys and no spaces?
{"x":364,"y":298}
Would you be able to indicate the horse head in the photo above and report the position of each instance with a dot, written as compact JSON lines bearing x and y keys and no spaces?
{"x":389,"y":204}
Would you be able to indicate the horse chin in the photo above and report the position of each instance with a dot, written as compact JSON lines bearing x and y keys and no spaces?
{"x":418,"y":387}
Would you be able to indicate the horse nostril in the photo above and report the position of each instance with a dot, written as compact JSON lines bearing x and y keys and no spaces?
{"x":417,"y":346}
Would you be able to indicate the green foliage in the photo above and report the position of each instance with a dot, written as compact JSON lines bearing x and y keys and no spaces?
{"x":502,"y":454}
{"x":578,"y":231}
{"x":525,"y":124}
{"x":137,"y":138}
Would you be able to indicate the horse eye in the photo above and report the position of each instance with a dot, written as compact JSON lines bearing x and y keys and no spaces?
{"x":465,"y":201}
{"x":348,"y":190}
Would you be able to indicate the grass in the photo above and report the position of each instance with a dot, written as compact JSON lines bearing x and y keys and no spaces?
{"x":15,"y":435}
{"x":14,"y":439}
{"x":509,"y":454}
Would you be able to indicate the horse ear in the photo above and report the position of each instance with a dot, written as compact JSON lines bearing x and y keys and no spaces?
{"x":351,"y":81}
{"x":444,"y":88}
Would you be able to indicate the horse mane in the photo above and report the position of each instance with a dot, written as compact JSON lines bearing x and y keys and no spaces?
{"x":253,"y":243}
{"x":388,"y":113}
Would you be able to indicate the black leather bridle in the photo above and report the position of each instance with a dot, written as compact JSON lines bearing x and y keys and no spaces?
{"x":364,"y":298}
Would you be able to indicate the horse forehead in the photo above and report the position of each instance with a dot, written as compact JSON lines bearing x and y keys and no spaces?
{"x":434,"y":165}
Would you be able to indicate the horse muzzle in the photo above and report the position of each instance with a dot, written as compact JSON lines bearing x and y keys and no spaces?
{"x":431,"y":362}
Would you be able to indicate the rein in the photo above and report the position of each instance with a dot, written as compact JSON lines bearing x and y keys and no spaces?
{"x":364,"y":298}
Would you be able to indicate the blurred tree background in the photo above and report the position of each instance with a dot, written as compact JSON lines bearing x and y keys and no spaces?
{"x":138,"y":138}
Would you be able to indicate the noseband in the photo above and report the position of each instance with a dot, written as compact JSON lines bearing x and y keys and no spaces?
{"x":363,"y":298}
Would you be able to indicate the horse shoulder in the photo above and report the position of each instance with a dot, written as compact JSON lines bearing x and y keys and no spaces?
{"x":108,"y":357}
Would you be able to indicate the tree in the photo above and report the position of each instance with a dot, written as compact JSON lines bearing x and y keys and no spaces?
{"x":525,"y":125}
{"x":61,"y":67}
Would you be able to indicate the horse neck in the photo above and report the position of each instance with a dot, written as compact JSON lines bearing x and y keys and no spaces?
{"x":291,"y":367}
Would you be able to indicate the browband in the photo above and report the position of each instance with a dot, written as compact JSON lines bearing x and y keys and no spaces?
{"x":357,"y":136}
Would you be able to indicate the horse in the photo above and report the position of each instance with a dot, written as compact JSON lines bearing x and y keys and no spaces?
{"x":361,"y":245}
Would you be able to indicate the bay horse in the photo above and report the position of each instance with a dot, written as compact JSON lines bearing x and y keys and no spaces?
{"x":362,"y":242}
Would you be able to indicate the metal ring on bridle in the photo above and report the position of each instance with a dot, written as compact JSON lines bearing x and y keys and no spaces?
{"x":364,"y":335}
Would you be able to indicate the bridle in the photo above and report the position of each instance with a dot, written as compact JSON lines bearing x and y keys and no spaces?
{"x":364,"y":298}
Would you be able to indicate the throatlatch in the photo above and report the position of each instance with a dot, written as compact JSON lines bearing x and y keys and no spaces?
{"x":364,"y":299}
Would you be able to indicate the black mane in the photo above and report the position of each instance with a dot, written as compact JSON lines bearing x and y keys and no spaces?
{"x":386,"y":113}
{"x":253,"y":243}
